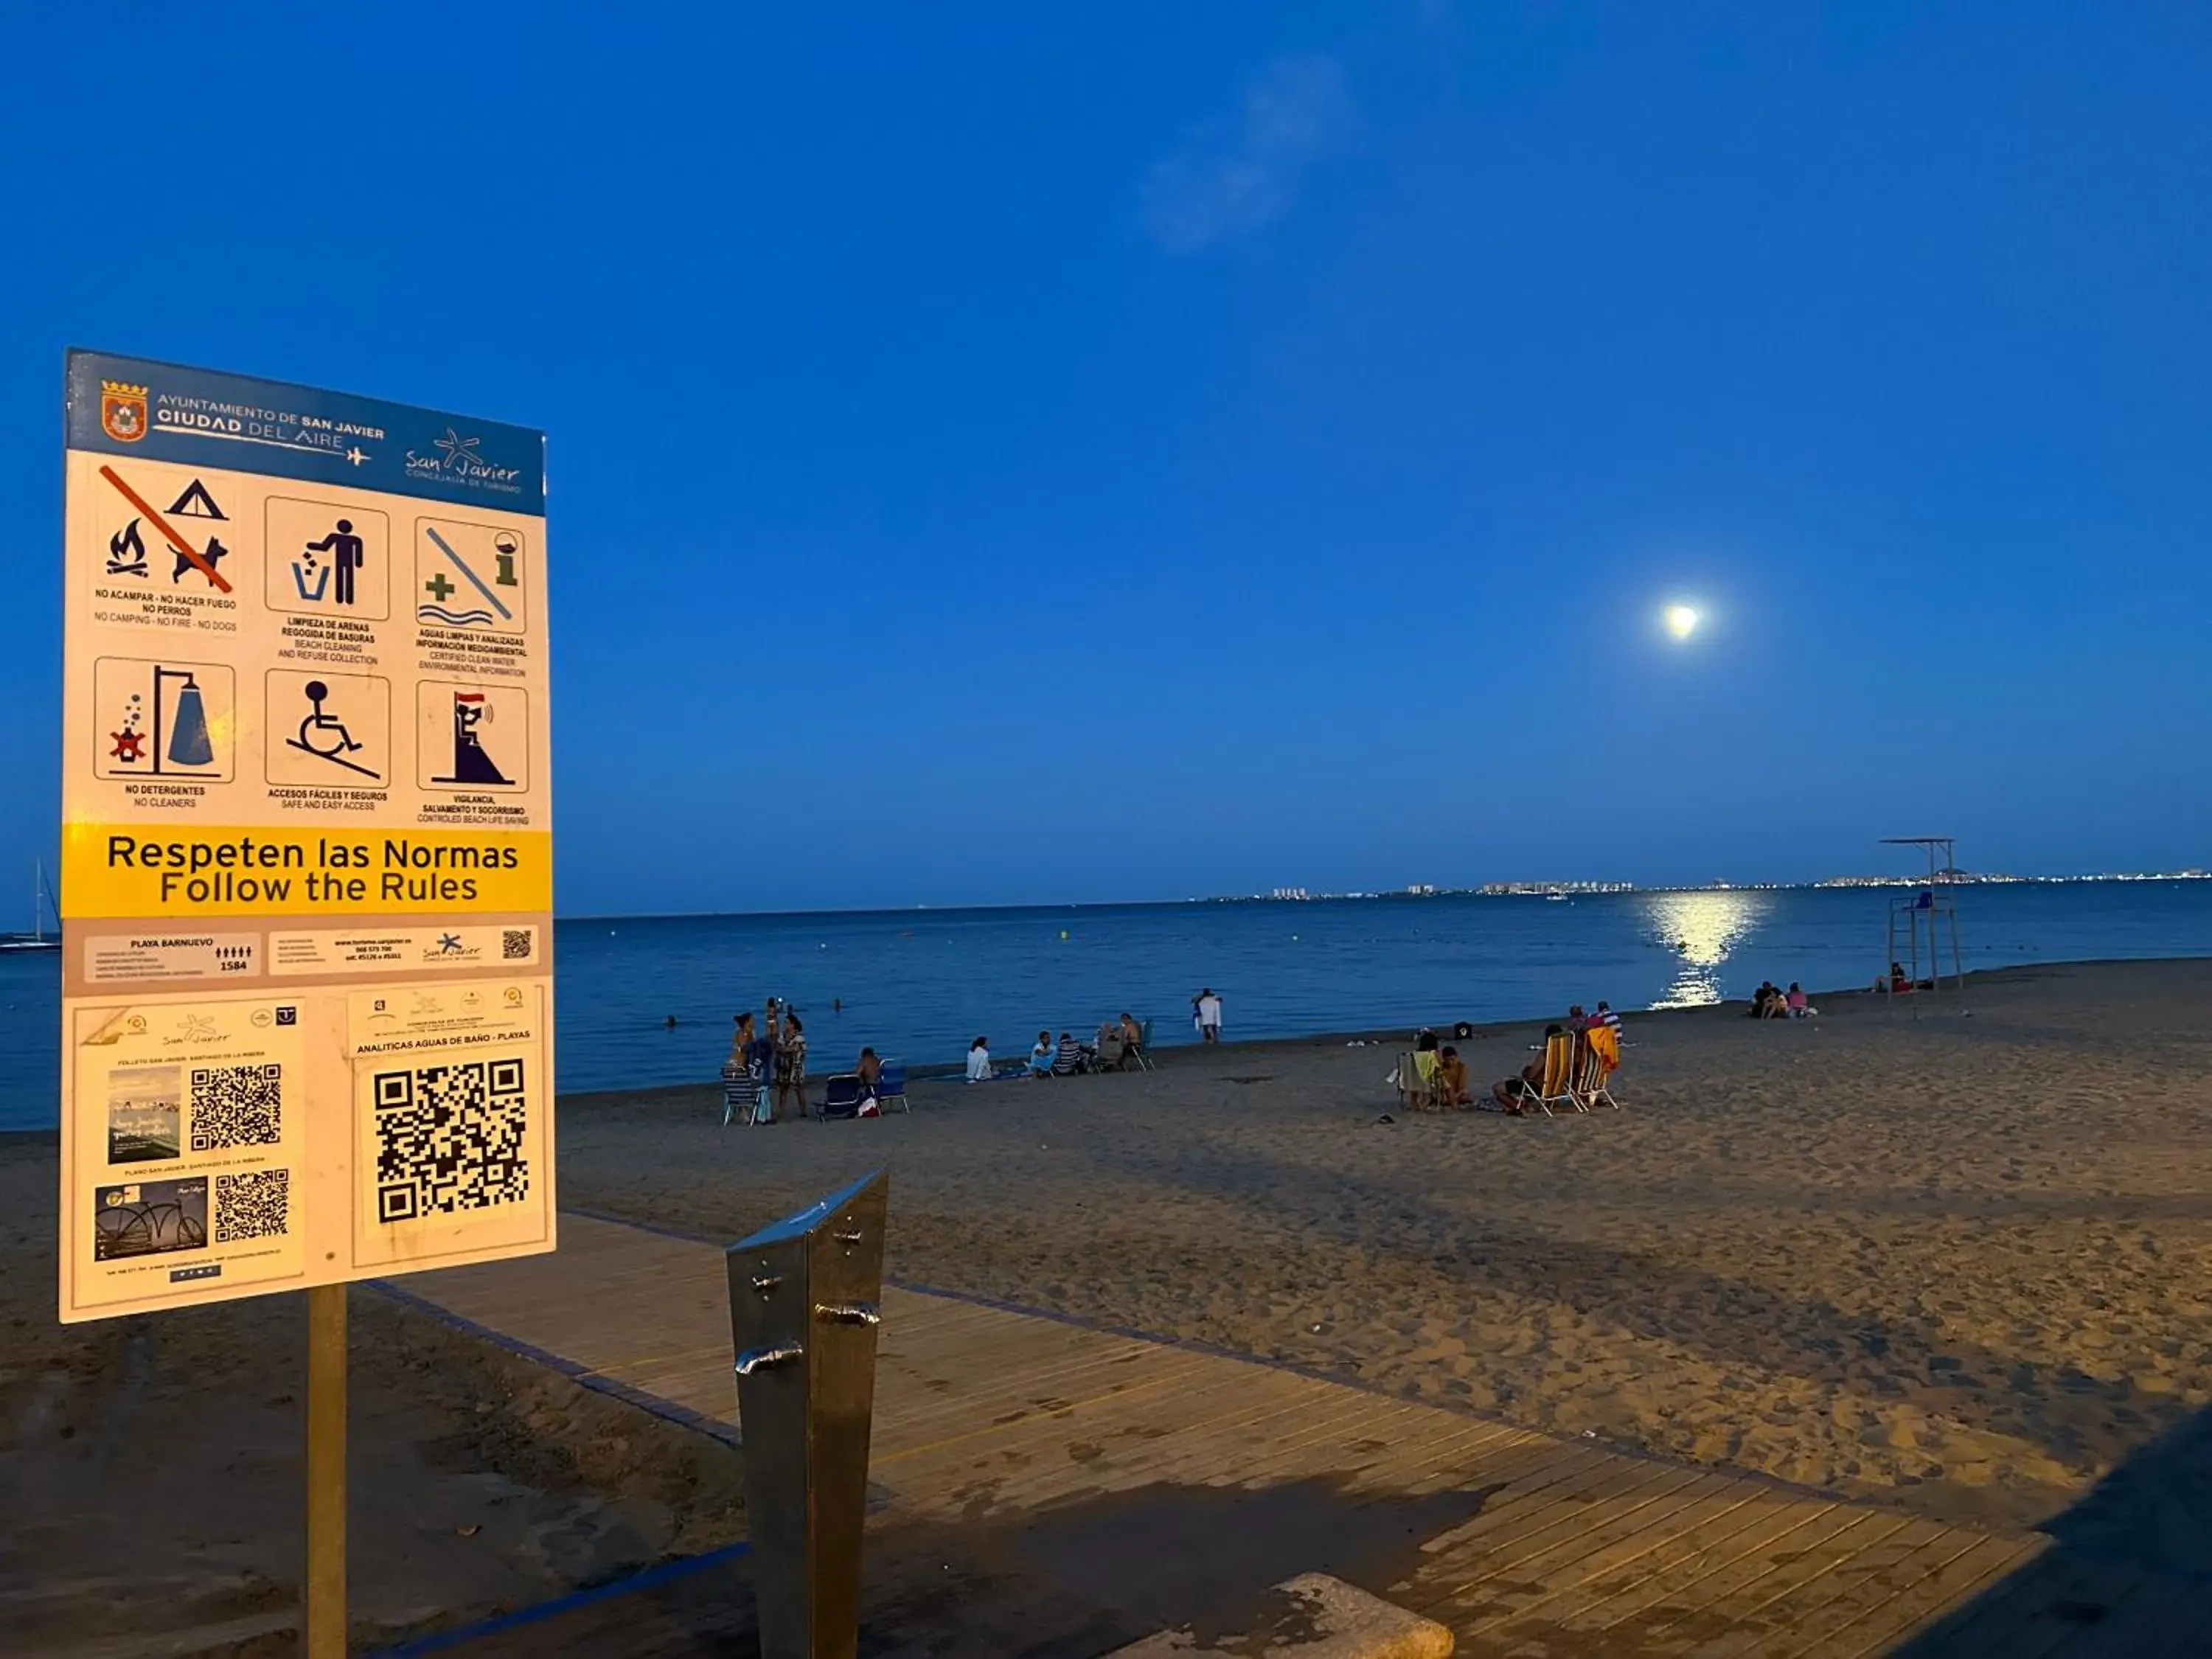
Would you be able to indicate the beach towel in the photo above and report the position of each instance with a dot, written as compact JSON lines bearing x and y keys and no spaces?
{"x":1605,"y":1042}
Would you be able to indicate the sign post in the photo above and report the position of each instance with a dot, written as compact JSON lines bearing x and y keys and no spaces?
{"x":324,"y":1636}
{"x":306,"y":875}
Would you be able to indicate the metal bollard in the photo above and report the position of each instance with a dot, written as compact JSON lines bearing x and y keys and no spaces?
{"x":803,"y":1311}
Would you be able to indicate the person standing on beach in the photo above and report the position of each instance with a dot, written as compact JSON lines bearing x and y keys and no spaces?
{"x":791,"y":1063}
{"x":1209,"y":1015}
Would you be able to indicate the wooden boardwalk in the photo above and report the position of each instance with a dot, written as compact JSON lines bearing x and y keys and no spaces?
{"x":1135,"y":1478}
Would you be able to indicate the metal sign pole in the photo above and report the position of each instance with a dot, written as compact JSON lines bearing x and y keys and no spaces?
{"x":325,"y":1620}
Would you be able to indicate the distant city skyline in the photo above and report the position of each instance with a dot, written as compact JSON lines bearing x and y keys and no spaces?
{"x":1157,"y":450}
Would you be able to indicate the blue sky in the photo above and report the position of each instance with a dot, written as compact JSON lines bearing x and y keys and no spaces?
{"x":1005,"y":454}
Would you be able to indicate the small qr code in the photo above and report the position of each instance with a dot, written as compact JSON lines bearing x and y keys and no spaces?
{"x":237,"y":1106}
{"x":253,"y":1204}
{"x":450,"y":1138}
{"x":515,"y":944}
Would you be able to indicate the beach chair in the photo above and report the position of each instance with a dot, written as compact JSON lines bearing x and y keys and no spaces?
{"x":840,"y":1096}
{"x":1598,"y":1057}
{"x":1557,"y":1088}
{"x":890,"y":1087}
{"x":1143,"y":1056}
{"x":742,"y":1092}
{"x":1416,"y":1086}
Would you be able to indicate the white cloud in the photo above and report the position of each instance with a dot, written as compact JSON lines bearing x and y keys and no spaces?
{"x":1238,"y":173}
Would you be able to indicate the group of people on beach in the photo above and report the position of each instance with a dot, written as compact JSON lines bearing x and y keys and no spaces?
{"x":1119,"y":1044}
{"x":1770,"y":1001}
{"x":1442,"y":1075}
{"x":772,"y":1051}
{"x":1599,"y":1031}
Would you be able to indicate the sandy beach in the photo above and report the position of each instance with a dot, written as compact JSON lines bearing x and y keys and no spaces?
{"x":1960,"y":1263}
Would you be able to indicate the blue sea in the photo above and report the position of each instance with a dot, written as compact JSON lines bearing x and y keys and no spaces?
{"x":918,"y":985}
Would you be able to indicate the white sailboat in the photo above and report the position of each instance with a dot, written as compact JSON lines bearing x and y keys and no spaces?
{"x":36,"y":939}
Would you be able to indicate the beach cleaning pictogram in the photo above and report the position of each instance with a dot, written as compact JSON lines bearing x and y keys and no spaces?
{"x":189,"y":557}
{"x":469,"y":575}
{"x":161,"y":719}
{"x":331,"y":723}
{"x":327,"y":558}
{"x":454,"y":722}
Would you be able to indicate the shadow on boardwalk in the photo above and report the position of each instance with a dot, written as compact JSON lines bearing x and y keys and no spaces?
{"x":1071,"y":1581}
{"x":2130,"y":1571}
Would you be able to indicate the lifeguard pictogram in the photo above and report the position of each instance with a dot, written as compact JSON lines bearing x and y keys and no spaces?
{"x":472,"y":764}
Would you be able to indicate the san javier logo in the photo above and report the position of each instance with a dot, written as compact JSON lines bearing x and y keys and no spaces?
{"x":450,"y":948}
{"x":460,"y":459}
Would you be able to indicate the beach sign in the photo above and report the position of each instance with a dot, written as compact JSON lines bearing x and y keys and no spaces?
{"x":306,"y":849}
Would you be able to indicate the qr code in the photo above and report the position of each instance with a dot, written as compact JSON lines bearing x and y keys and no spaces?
{"x":254,"y":1203}
{"x":237,"y":1106}
{"x":449,"y":1138}
{"x":515,"y":944}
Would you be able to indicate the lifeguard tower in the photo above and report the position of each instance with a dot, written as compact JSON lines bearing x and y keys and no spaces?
{"x":1918,"y":925}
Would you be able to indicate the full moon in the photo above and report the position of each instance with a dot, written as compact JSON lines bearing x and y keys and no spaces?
{"x":1682,"y":621}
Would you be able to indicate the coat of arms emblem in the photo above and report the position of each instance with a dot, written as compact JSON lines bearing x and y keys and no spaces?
{"x":123,"y":410}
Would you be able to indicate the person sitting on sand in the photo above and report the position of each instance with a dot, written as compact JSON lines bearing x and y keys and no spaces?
{"x":1530,"y":1081}
{"x":1605,"y":1015}
{"x":1041,"y":1055}
{"x":1764,"y":999}
{"x":979,"y":1061}
{"x":1071,"y":1057}
{"x":1451,"y":1084}
{"x":1797,"y":1001}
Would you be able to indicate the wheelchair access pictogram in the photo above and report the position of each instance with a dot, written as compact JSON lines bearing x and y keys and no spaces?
{"x":322,"y":726}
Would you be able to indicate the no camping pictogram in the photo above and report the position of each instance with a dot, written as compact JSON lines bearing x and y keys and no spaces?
{"x":195,"y":502}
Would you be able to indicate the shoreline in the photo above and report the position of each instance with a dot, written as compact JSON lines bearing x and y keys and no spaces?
{"x":935,"y":1071}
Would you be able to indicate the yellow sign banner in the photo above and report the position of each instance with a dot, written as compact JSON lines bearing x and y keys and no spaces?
{"x":184,"y":871}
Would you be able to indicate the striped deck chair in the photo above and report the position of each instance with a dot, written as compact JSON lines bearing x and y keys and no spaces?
{"x":1557,"y":1088}
{"x":1598,"y":1057}
{"x":742,"y":1092}
{"x":1417,"y":1084}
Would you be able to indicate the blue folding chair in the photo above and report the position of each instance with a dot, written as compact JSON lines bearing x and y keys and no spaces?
{"x":890,"y":1087}
{"x":840,"y":1096}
